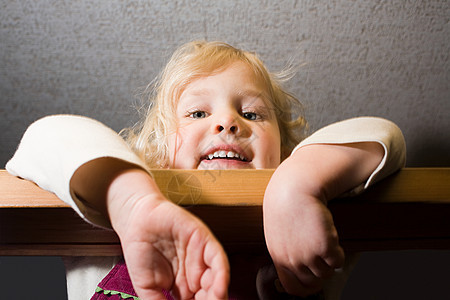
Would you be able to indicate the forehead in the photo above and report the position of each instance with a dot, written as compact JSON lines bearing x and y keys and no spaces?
{"x":238,"y":76}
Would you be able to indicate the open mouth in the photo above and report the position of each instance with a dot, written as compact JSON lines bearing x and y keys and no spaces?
{"x":228,"y":155}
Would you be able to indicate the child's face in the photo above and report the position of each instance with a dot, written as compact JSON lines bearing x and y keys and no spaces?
{"x":225,"y":123}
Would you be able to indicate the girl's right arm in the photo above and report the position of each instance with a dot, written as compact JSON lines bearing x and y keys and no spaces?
{"x":54,"y":148}
{"x":89,"y":166}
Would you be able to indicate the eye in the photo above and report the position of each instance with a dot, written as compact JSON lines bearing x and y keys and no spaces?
{"x":251,"y":116}
{"x":198,"y":114}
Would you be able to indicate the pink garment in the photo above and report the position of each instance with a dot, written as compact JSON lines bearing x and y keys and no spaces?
{"x":117,"y":285}
{"x":252,"y":281}
{"x":118,"y":281}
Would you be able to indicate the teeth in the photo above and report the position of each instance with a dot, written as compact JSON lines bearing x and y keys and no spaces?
{"x":225,"y":154}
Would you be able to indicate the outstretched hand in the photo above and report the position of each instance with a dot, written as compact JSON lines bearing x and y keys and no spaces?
{"x":165,"y":247}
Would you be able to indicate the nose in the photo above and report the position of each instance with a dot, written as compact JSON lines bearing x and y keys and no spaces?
{"x":232,"y":129}
{"x":228,"y":123}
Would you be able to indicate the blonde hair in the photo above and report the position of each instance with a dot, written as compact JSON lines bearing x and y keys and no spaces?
{"x":190,"y":62}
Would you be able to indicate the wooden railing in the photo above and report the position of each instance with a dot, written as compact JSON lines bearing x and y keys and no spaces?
{"x":408,"y":210}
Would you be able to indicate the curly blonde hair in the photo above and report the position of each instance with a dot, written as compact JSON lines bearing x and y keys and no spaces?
{"x":192,"y":61}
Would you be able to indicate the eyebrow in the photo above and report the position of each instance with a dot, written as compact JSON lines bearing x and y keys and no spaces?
{"x":261,"y":95}
{"x":251,"y":93}
{"x":200,"y":92}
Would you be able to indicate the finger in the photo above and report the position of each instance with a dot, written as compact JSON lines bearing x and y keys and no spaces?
{"x":320,"y":268}
{"x":220,"y":284}
{"x":195,"y":264}
{"x":306,"y":276}
{"x":207,"y":280}
{"x":217,"y":261}
{"x":152,"y":272}
{"x":215,"y":286}
{"x":295,"y":286}
{"x":335,"y":259}
{"x":208,"y":295}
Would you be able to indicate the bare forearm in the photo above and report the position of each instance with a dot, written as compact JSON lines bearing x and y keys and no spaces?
{"x":326,"y":171}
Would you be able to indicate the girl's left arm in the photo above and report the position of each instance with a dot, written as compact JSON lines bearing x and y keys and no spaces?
{"x":359,"y":131}
{"x":343,"y":157}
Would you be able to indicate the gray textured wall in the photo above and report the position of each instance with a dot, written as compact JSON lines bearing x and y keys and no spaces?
{"x":382,"y":58}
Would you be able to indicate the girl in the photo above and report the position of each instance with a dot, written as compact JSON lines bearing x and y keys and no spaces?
{"x":216,"y":107}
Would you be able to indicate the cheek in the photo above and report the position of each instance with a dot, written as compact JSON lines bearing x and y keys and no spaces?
{"x":275,"y":151}
{"x":173,"y":144}
{"x":270,"y":143}
{"x":176,"y":144}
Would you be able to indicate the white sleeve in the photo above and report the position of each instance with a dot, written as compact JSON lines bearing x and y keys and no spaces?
{"x":54,"y":147}
{"x":366,"y":129}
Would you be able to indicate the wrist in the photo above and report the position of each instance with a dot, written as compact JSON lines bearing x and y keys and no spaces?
{"x":334,"y":169}
{"x":300,"y":176}
{"x":129,"y":192}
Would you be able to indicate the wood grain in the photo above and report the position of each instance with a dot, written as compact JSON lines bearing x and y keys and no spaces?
{"x":408,"y":210}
